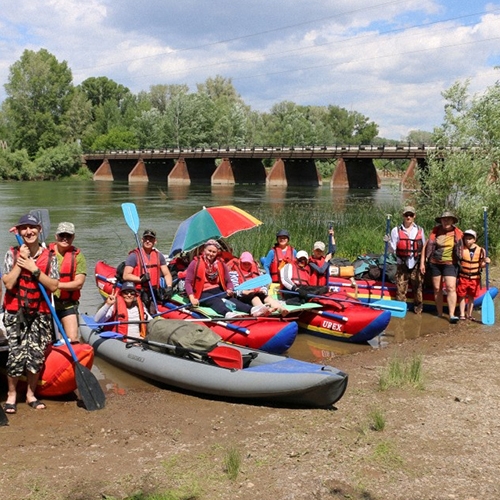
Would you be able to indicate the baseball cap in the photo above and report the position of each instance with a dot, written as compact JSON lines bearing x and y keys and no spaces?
{"x":149,"y":232}
{"x":283,"y":232}
{"x":128,"y":286}
{"x":246,"y":257}
{"x":471,"y":232}
{"x":28,"y":220}
{"x":409,"y":210}
{"x":319,"y":245}
{"x":65,"y":227}
{"x":301,"y":254}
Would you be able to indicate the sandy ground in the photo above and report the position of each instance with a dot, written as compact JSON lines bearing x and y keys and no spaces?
{"x":441,"y":442}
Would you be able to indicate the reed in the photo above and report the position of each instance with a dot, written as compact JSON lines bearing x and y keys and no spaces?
{"x":402,"y":372}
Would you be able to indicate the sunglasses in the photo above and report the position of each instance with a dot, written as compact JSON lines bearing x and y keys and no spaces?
{"x":65,"y":236}
{"x":129,"y":292}
{"x":409,"y":215}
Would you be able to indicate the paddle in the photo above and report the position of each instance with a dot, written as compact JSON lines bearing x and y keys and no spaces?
{"x":132,"y":220}
{"x":3,"y":417}
{"x":223,"y":356}
{"x":90,"y":391}
{"x":487,"y":306}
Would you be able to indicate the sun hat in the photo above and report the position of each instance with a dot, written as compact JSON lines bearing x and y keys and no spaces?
{"x":128,"y":286}
{"x":301,"y":254}
{"x":283,"y":232}
{"x":28,"y":220}
{"x":246,"y":257}
{"x":319,"y":245}
{"x":447,"y":214}
{"x":213,"y":242}
{"x":409,"y":209}
{"x":65,"y":227}
{"x":471,"y":232}
{"x":149,"y":232}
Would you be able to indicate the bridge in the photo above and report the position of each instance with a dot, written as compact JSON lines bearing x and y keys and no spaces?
{"x":226,"y":166}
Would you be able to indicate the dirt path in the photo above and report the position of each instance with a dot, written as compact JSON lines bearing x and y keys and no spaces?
{"x":438,"y":443}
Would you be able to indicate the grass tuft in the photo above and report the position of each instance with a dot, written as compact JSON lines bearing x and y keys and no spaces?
{"x":232,"y":463}
{"x":402,"y":373}
{"x":377,"y":420}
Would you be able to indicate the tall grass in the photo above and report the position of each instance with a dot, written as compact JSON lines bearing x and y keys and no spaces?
{"x":402,"y":372}
{"x":232,"y":463}
{"x":358,"y":230}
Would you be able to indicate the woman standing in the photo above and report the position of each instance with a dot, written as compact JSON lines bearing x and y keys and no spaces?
{"x":443,"y":251}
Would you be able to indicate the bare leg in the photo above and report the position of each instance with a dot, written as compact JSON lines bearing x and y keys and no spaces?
{"x":470,"y":306}
{"x":70,"y":325}
{"x":451,"y":293}
{"x":461,"y":305}
{"x":438,"y":294}
{"x":12,"y":389}
{"x":30,"y":392}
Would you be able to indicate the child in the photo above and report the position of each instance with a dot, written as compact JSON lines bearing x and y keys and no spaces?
{"x":469,"y":277}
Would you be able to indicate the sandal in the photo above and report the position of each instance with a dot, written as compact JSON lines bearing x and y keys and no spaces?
{"x":37,"y":405}
{"x":10,"y":408}
{"x":463,"y":318}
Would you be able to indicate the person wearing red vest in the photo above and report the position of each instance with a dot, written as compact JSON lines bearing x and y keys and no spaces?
{"x":208,"y":281}
{"x":473,"y":261}
{"x":125,"y":306}
{"x":156,"y":268}
{"x":407,"y":241}
{"x":443,"y":252}
{"x":72,"y":275}
{"x":27,"y":318}
{"x":296,"y":275}
{"x":282,"y":253}
{"x":320,"y":263}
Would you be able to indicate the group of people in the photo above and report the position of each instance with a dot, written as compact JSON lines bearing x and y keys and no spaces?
{"x":31,"y":268}
{"x":451,"y":257}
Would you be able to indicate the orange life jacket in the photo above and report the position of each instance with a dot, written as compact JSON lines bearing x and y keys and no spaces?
{"x":279,"y":261}
{"x":301,"y":276}
{"x":67,"y":272}
{"x":470,"y":267}
{"x":200,"y":277}
{"x":121,"y":314}
{"x":235,"y":265}
{"x":408,"y":247}
{"x":153,"y":267}
{"x":26,"y":293}
{"x":317,"y":279}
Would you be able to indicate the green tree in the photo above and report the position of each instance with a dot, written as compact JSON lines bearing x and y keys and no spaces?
{"x":39,"y":91}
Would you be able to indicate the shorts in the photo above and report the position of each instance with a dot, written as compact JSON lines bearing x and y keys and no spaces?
{"x":67,"y":311}
{"x":467,"y":287}
{"x":443,"y":269}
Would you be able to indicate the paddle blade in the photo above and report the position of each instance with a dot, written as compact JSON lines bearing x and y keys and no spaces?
{"x":397,"y":308}
{"x":90,"y":391}
{"x":226,"y":357}
{"x":259,"y":281}
{"x":131,"y":216}
{"x":42,"y":214}
{"x":3,"y":417}
{"x":487,"y":310}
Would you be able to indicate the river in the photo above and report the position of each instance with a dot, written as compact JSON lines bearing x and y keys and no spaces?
{"x":101,"y":232}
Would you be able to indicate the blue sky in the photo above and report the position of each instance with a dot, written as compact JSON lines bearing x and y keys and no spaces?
{"x":389,"y":60}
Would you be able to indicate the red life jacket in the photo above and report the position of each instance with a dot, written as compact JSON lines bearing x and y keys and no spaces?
{"x":279,"y":261}
{"x":26,"y":293}
{"x":200,"y":277}
{"x":301,"y":276}
{"x":235,"y":265}
{"x":408,"y":247}
{"x":67,"y":272}
{"x":470,"y":267}
{"x":316,"y":278}
{"x":153,"y":267}
{"x":121,"y":314}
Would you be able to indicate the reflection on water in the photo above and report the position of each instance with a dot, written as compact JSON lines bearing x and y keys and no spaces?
{"x":101,"y":232}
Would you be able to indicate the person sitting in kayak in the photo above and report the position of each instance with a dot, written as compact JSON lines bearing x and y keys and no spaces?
{"x":473,"y":261}
{"x":156,"y":268}
{"x":127,"y":307}
{"x":320,"y":263}
{"x":246,"y":268}
{"x":282,"y":253}
{"x":208,"y":280}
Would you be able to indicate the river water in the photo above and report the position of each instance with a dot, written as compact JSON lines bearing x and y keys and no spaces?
{"x":102,"y":234}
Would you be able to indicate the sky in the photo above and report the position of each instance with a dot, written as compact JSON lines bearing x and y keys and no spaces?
{"x":388,"y":60}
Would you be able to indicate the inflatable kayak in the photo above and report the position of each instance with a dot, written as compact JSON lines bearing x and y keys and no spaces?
{"x":370,"y":291}
{"x":58,"y":373}
{"x":265,"y":378}
{"x":274,"y":335}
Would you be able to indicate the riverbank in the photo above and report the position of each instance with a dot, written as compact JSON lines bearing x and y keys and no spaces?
{"x":438,"y":443}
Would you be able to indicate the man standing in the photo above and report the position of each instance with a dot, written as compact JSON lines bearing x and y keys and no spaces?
{"x":156,"y":268}
{"x":27,"y":315}
{"x":73,"y":272}
{"x":407,"y":241}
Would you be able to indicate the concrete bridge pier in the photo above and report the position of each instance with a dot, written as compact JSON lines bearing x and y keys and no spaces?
{"x":197,"y":170}
{"x":104,"y":173}
{"x":357,"y":173}
{"x":294,"y":172}
{"x":240,"y":171}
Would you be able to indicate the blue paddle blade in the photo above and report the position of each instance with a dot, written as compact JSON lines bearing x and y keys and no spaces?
{"x":487,"y":310}
{"x":131,"y":216}
{"x":259,"y":281}
{"x":395,"y":307}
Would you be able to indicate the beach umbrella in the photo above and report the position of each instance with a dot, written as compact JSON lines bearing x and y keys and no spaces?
{"x":211,"y":222}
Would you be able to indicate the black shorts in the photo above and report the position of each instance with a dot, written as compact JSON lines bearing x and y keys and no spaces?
{"x":62,"y":313}
{"x":443,"y":270}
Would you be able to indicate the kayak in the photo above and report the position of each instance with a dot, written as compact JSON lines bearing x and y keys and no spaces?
{"x":266,"y":377}
{"x":370,"y":290}
{"x":274,"y":335}
{"x":57,"y":377}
